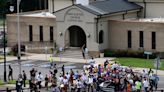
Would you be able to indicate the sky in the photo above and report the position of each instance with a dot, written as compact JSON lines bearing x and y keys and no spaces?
{"x":82,"y":1}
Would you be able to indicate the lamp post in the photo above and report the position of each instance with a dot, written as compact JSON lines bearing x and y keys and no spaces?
{"x":4,"y":45}
{"x":18,"y":36}
{"x":4,"y":39}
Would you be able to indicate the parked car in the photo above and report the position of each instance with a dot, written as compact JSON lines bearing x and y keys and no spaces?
{"x":107,"y":86}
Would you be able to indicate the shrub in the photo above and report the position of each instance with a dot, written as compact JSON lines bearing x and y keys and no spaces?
{"x":14,"y":49}
{"x":14,"y":82}
{"x":128,"y":53}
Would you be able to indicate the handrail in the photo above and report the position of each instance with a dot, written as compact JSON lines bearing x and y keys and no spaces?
{"x":66,"y":46}
{"x":83,"y":46}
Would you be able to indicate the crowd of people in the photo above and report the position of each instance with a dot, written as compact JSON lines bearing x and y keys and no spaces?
{"x":123,"y":79}
{"x":90,"y":79}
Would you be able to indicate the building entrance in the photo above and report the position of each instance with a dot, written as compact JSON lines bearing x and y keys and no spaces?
{"x":77,"y":37}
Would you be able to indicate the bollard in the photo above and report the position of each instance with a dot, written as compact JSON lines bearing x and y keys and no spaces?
{"x":7,"y":90}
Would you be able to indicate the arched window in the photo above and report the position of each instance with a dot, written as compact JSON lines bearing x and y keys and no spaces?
{"x":101,"y":38}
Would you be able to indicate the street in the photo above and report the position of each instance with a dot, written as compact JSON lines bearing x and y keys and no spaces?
{"x":43,"y":66}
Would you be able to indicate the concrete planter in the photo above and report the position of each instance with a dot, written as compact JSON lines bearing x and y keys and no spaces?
{"x":101,"y":55}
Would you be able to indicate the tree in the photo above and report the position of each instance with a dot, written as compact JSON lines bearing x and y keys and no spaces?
{"x":30,"y":5}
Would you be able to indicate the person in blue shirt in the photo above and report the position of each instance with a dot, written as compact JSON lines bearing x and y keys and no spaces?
{"x":156,"y":81}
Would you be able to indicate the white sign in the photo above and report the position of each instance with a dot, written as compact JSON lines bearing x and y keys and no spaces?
{"x":147,"y":52}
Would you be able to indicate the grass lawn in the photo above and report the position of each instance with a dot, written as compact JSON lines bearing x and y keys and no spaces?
{"x":1,"y":82}
{"x":138,"y":62}
{"x":14,"y":82}
{"x":1,"y":22}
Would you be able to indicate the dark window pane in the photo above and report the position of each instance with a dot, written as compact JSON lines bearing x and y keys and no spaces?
{"x":101,"y":34}
{"x":129,"y":39}
{"x":141,"y":39}
{"x":41,"y":33}
{"x":153,"y":40}
{"x":30,"y":33}
{"x":51,"y":34}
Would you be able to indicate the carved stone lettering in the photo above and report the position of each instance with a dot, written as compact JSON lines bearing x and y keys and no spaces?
{"x":74,"y":15}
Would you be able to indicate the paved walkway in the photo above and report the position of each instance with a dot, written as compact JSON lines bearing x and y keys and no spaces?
{"x":45,"y":57}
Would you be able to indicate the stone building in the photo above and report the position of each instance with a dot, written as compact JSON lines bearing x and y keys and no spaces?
{"x":100,"y":24}
{"x":36,"y":30}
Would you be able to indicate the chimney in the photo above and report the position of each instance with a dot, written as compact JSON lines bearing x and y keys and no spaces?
{"x":82,"y":2}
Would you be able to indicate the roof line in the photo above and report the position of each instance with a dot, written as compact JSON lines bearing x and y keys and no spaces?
{"x":63,"y":8}
{"x":77,"y":6}
{"x":120,"y":11}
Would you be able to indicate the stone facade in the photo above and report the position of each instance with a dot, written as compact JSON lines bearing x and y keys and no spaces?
{"x":114,"y":27}
{"x":118,"y":35}
{"x":35,"y":22}
{"x":152,"y":8}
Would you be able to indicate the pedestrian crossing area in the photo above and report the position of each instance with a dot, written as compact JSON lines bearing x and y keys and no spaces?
{"x":43,"y":64}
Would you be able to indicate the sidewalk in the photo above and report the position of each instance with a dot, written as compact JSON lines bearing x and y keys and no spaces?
{"x":32,"y":56}
{"x":45,"y":57}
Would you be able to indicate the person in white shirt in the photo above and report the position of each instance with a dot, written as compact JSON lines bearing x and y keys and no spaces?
{"x":65,"y":82}
{"x":91,"y":61}
{"x":84,"y":79}
{"x":79,"y":85}
{"x":67,"y":75}
{"x":115,"y":65}
{"x":61,"y":79}
{"x":90,"y":83}
{"x":144,"y":73}
{"x":39,"y":78}
{"x":145,"y":84}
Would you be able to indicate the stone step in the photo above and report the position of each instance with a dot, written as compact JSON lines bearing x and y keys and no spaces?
{"x":73,"y":53}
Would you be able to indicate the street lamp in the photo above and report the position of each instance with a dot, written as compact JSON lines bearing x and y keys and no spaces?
{"x":18,"y":36}
{"x":4,"y":39}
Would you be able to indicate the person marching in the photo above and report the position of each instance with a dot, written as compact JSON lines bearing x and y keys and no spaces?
{"x":51,"y":61}
{"x":83,"y":51}
{"x":10,"y":75}
{"x":24,"y":78}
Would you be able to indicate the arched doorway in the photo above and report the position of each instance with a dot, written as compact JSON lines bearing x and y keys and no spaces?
{"x":77,"y":37}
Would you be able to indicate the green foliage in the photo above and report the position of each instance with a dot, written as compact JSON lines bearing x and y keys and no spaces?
{"x":55,"y":46}
{"x":2,"y":41}
{"x":127,"y":53}
{"x":14,"y":82}
{"x":52,"y":50}
{"x":1,"y":22}
{"x":1,"y":82}
{"x":138,"y":62}
{"x":14,"y":49}
{"x":3,"y":5}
